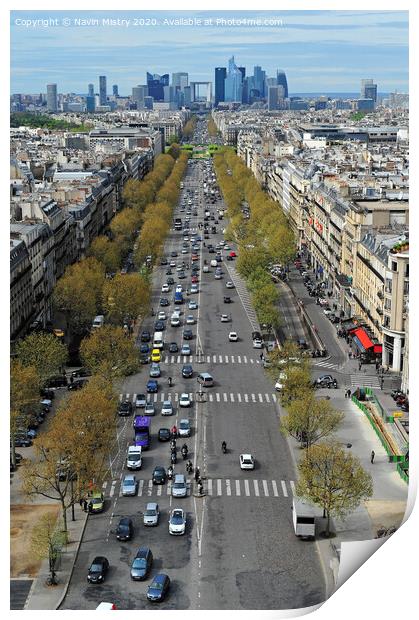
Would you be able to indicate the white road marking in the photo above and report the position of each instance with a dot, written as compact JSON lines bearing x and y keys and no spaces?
{"x":211,"y":397}
{"x":209,"y":486}
{"x":150,"y":488}
{"x":246,"y":488}
{"x":112,"y":491}
{"x":237,"y":487}
{"x":252,"y":360}
{"x":232,"y":397}
{"x":239,"y":359}
{"x":267,"y":398}
{"x":232,"y":359}
{"x":246,"y":398}
{"x":265,"y":488}
{"x":253,"y":398}
{"x":226,"y":358}
{"x":218,"y":486}
{"x":275,"y":488}
{"x":274,"y":398}
{"x":159,"y":489}
{"x":292,"y":485}
{"x":284,"y":488}
{"x":239,"y":398}
{"x":225,"y":397}
{"x":256,"y":485}
{"x":220,"y":357}
{"x":245,"y":359}
{"x":260,"y":398}
{"x":217,"y":396}
{"x":228,"y":487}
{"x":140,"y":488}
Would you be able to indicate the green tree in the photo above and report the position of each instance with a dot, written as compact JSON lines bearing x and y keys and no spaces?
{"x":297,"y":382}
{"x":106,"y":252}
{"x":24,"y":393}
{"x":47,"y":542}
{"x":309,"y":419}
{"x":174,"y":150}
{"x":125,"y":297}
{"x":44,"y":353}
{"x":334,"y":479}
{"x":109,"y":353}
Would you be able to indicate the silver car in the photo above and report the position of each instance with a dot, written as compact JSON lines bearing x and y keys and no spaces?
{"x":184,"y":429}
{"x":179,"y":488}
{"x":149,"y":409}
{"x":167,"y":408}
{"x":129,"y":485}
{"x":151,"y":514}
{"x":155,"y":370}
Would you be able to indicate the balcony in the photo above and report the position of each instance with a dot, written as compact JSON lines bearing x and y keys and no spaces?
{"x":379,"y":311}
{"x":380,"y":295}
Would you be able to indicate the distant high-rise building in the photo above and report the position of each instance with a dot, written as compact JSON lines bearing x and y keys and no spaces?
{"x":243,"y":72}
{"x":180,"y":80}
{"x":102,"y":90}
{"x":138,"y":95}
{"x":90,"y":103}
{"x":220,"y":76}
{"x":115,"y":90}
{"x":90,"y":90}
{"x":187,"y":96}
{"x":169,"y":94}
{"x":233,"y":83}
{"x":281,"y":80}
{"x":368,"y":90}
{"x":258,"y":82}
{"x":148,"y":103}
{"x":52,"y":102}
{"x":155,"y":84}
{"x":365,"y":105}
{"x":275,"y":97}
{"x":270,"y":82}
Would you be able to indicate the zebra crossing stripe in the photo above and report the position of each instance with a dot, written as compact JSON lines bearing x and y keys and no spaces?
{"x":208,"y":358}
{"x":112,"y":491}
{"x":218,"y":487}
{"x":225,"y":397}
{"x":169,"y":488}
{"x":211,"y":397}
{"x":159,"y":490}
{"x":209,"y":486}
{"x":252,"y":360}
{"x":150,"y":488}
{"x":246,"y":488}
{"x":217,"y":396}
{"x":292,"y":485}
{"x":237,"y":487}
{"x":176,"y":397}
{"x":214,"y":359}
{"x":228,"y":487}
{"x":245,"y":359}
{"x":178,"y":359}
{"x":260,"y":398}
{"x":253,"y":398}
{"x":166,"y":359}
{"x":265,"y":488}
{"x":220,"y":357}
{"x":239,"y":398}
{"x":104,"y":485}
{"x":284,"y":488}
{"x":267,"y":398}
{"x":226,"y":358}
{"x":246,"y":398}
{"x":232,"y":359}
{"x":120,"y":398}
{"x":140,"y":488}
{"x":256,"y":485}
{"x":275,"y":488}
{"x":274,"y":398}
{"x":239,"y":359}
{"x":232,"y":398}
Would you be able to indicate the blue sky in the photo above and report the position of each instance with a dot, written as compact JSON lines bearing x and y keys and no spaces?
{"x":321,"y":51}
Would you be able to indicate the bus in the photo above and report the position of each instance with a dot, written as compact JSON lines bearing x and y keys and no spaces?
{"x":142,"y":431}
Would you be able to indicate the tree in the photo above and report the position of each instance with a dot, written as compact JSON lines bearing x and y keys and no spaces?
{"x":107,"y":252}
{"x":333,"y":479}
{"x":297,"y":382}
{"x":79,"y":293}
{"x":137,"y":194}
{"x":174,"y":150}
{"x":47,"y":542}
{"x":44,"y":353}
{"x":309,"y":419}
{"x":125,"y":297}
{"x":126,"y":223}
{"x":109,"y":352}
{"x":24,"y":392}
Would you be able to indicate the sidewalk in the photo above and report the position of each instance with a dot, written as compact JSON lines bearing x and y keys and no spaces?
{"x":43,"y":596}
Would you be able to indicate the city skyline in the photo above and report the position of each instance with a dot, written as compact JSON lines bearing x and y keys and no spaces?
{"x":362,"y":45}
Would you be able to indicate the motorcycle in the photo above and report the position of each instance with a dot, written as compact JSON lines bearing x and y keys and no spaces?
{"x":170,"y":472}
{"x":170,"y":381}
{"x":173,"y":458}
{"x":189,"y":467}
{"x":184,"y":454}
{"x":224,"y":447}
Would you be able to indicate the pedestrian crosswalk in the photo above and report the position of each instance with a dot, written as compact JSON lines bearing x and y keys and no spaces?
{"x":209,"y":359}
{"x":362,"y":380}
{"x":213,"y":487}
{"x":212,"y":397}
{"x":329,"y":365}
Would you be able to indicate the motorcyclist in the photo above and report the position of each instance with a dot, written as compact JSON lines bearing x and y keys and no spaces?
{"x":173,"y":458}
{"x":189,"y":467}
{"x":170,"y":380}
{"x":170,"y":472}
{"x":224,"y":447}
{"x":174,"y":430}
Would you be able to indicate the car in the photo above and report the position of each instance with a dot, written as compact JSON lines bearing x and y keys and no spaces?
{"x":129,"y":485}
{"x":194,"y":279}
{"x":177,"y":522}
{"x":233,"y":337}
{"x":162,"y":316}
{"x":140,"y":401}
{"x":151,"y":514}
{"x":56,"y":382}
{"x":217,"y":276}
{"x":185,"y":350}
{"x":187,"y":371}
{"x":190,"y":319}
{"x":327,"y":311}
{"x":181,"y":275}
{"x":173,"y":254}
{"x":167,"y":408}
{"x":165,"y":288}
{"x":152,"y":386}
{"x":229,"y":284}
{"x":156,"y":355}
{"x":247,"y":461}
{"x":168,"y":271}
{"x":302,"y":344}
{"x":164,"y":434}
{"x":178,"y":288}
{"x":192,"y":305}
{"x":184,"y":251}
{"x":96,"y":502}
{"x":124,"y":529}
{"x":179,"y":488}
{"x":155,"y":371}
{"x":225,"y":318}
{"x":173,"y":347}
{"x":141,"y":564}
{"x":184,"y":428}
{"x":324,"y":379}
{"x":76,"y":385}
{"x":175,"y":320}
{"x":170,"y":281}
{"x":22,"y":440}
{"x":227,"y":300}
{"x":145,"y":336}
{"x":184,"y":400}
{"x":149,"y":409}
{"x":125,"y":408}
{"x":232,"y":254}
{"x":81,"y":372}
{"x":159,"y":326}
{"x":194,"y":289}
{"x":180,"y":268}
{"x":187,"y":334}
{"x":164,"y":302}
{"x":144,"y":348}
{"x":98,"y":569}
{"x":159,"y":475}
{"x":158,"y":588}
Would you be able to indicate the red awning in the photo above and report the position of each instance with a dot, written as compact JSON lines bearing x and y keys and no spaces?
{"x":378,"y":348}
{"x":363,"y":338}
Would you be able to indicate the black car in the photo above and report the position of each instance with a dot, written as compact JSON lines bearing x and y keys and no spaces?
{"x":22,"y":441}
{"x":229,"y":258}
{"x":57,"y":381}
{"x":125,"y":408}
{"x":81,"y":372}
{"x":47,"y":393}
{"x":227,"y":299}
{"x":159,"y":475}
{"x":76,"y":385}
{"x":142,"y":564}
{"x":144,"y":358}
{"x":170,"y":281}
{"x":164,"y":434}
{"x":173,"y":348}
{"x":187,"y":371}
{"x":164,"y":302}
{"x":211,"y":251}
{"x":145,"y":336}
{"x":169,"y":272}
{"x":125,"y":529}
{"x":187,"y":334}
{"x":159,"y":326}
{"x":173,"y":254}
{"x":144,"y":348}
{"x":98,"y":569}
{"x":158,"y":588}
{"x":163,"y":261}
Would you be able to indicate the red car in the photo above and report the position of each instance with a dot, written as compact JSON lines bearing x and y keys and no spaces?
{"x":194,"y":279}
{"x":194,"y":257}
{"x":233,"y":254}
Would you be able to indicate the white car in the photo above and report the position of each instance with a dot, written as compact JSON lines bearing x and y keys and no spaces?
{"x":233,"y":337}
{"x":175,"y":321}
{"x":184,"y":400}
{"x":190,"y":319}
{"x":279,"y":385}
{"x":177,"y":522}
{"x":184,"y":428}
{"x":192,"y":305}
{"x":165,"y":288}
{"x":194,"y":288}
{"x":184,"y":251}
{"x":229,"y":284}
{"x":225,"y":318}
{"x":327,"y":311}
{"x":185,"y":350}
{"x":162,"y":316}
{"x":205,"y":269}
{"x":247,"y":461}
{"x":172,"y":263}
{"x":167,"y":408}
{"x":217,"y":276}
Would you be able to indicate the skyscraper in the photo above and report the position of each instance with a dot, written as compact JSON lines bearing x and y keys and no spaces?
{"x":90,"y":103}
{"x":115,"y":90}
{"x":275,"y":97}
{"x":52,"y":105}
{"x":220,"y":76}
{"x":148,"y":103}
{"x":258,"y":83}
{"x":156,"y":83}
{"x":281,"y":80}
{"x":138,"y":95}
{"x":368,"y":90}
{"x":233,"y":82}
{"x":102,"y":90}
{"x":90,"y":90}
{"x":180,"y":80}
{"x":243,"y":72}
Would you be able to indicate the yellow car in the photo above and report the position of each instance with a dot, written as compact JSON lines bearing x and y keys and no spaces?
{"x":95,"y":501}
{"x":155,"y":355}
{"x":58,"y":333}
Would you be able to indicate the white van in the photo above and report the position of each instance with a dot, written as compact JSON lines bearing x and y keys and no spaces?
{"x":213,"y":263}
{"x":134,"y":457}
{"x":98,"y":321}
{"x":158,"y":340}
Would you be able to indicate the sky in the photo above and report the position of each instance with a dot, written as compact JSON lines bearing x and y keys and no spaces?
{"x":320,"y":51}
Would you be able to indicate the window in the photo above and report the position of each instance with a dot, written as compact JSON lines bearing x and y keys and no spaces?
{"x":393,"y":265}
{"x":406,"y":287}
{"x":387,"y":304}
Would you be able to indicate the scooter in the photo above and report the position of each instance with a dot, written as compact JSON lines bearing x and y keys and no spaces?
{"x":173,"y":458}
{"x":170,"y":473}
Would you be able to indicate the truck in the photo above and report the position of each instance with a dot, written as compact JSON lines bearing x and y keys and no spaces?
{"x":304,"y":518}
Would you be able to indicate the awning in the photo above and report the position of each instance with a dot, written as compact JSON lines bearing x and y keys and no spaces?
{"x":378,"y":348}
{"x":362,"y":336}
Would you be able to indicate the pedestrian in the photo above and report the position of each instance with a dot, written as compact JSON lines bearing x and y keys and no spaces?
{"x":349,"y":393}
{"x":197,"y":474}
{"x":261,"y":356}
{"x":372,"y":456}
{"x":81,"y":502}
{"x":90,"y":506}
{"x":85,"y":505}
{"x":359,"y":365}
